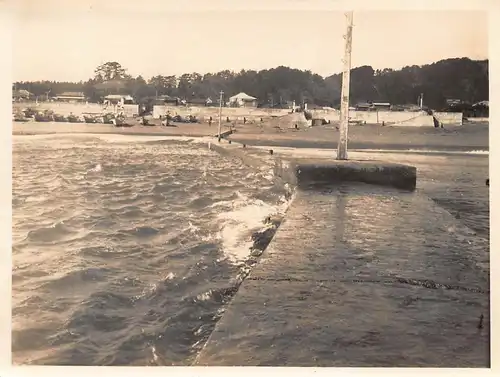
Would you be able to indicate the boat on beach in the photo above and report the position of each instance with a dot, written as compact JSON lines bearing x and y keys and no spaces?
{"x":89,"y":118}
{"x":44,"y":116}
{"x":74,"y":119}
{"x":60,"y":118}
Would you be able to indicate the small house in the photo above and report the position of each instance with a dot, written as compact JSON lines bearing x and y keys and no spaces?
{"x":119,"y":98}
{"x":453,"y":102}
{"x":363,"y":106}
{"x":242,"y":100}
{"x":165,"y":99}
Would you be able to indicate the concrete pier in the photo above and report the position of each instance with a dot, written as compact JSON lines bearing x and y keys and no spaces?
{"x":358,"y":275}
{"x":318,"y":172}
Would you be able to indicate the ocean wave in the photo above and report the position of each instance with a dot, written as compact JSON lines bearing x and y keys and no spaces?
{"x":238,"y":225}
{"x":75,"y":278}
{"x":56,"y":232}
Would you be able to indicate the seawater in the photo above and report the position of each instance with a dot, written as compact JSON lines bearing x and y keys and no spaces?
{"x":126,"y":249}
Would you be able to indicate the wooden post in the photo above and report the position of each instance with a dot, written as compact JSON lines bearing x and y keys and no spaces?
{"x":220,"y":113}
{"x":344,"y":104}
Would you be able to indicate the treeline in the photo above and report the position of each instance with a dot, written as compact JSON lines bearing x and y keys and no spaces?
{"x":459,"y":78}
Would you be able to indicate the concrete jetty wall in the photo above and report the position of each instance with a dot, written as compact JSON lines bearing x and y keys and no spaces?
{"x":478,"y":120}
{"x":393,"y":118}
{"x":357,"y":276}
{"x":449,"y":118}
{"x":207,"y":111}
{"x":63,"y":108}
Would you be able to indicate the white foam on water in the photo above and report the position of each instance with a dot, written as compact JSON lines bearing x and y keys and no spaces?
{"x":239,"y":222}
{"x":204,"y":296}
{"x":96,"y":168}
{"x":192,"y":228}
{"x":113,"y":138}
{"x":155,"y":355}
{"x":169,"y":276}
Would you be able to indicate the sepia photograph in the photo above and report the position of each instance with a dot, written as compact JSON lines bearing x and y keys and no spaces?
{"x":281,"y":187}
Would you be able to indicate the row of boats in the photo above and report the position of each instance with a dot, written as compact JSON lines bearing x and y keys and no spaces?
{"x":117,"y":119}
{"x":26,"y":115}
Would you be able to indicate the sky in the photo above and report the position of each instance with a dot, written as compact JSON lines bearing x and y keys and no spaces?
{"x":67,"y":40}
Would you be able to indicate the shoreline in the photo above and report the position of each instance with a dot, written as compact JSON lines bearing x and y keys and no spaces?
{"x":456,"y":139}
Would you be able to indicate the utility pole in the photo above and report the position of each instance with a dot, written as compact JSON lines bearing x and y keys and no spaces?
{"x":220,"y":112}
{"x":344,"y":101}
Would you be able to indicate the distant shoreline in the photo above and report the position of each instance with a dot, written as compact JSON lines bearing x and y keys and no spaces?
{"x":467,"y":138}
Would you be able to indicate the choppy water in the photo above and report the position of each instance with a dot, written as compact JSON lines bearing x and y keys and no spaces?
{"x":126,"y":250}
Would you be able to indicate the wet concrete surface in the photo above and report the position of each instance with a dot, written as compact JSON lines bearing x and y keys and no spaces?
{"x":361,"y":276}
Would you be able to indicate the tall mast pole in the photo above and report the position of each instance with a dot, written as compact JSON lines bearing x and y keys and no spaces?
{"x":344,"y":104}
{"x":220,"y":113}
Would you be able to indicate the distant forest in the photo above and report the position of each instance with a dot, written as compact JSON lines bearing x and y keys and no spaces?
{"x":460,"y":78}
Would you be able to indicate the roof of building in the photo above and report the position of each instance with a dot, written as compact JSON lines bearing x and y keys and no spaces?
{"x":125,"y":97}
{"x":242,"y":96}
{"x":482,"y":103}
{"x":71,"y":94}
{"x":166,"y":97}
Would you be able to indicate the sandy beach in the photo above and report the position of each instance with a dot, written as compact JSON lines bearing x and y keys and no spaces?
{"x":469,"y":137}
